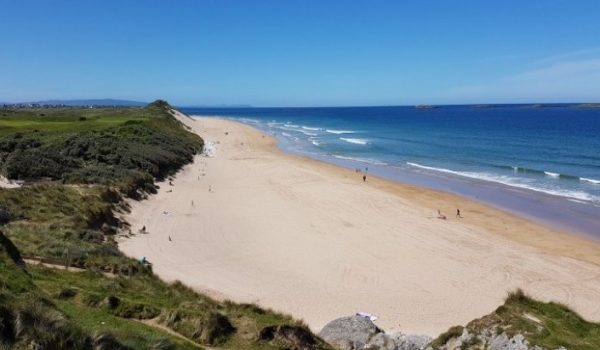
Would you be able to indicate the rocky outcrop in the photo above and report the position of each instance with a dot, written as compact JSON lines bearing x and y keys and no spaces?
{"x":349,"y":333}
{"x":360,"y":333}
{"x":487,"y":339}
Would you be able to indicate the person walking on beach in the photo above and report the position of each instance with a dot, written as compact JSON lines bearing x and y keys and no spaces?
{"x":458,"y":213}
{"x":364,"y":178}
{"x":441,"y":216}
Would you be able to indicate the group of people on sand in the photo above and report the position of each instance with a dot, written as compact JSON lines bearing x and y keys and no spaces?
{"x":364,"y":177}
{"x":143,"y":260}
{"x":443,"y":217}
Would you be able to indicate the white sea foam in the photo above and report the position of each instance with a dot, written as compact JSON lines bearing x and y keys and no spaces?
{"x":355,"y":141}
{"x":332,"y":131}
{"x":362,"y":160}
{"x":291,"y":125}
{"x":310,"y":128}
{"x":249,"y":120}
{"x":308,"y":133}
{"x":314,"y":142}
{"x":512,"y":182}
{"x":593,"y":181}
{"x":286,"y":134}
{"x":554,"y":175}
{"x":284,"y":127}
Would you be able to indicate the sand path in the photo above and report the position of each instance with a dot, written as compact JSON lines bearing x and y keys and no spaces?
{"x":313,"y":240}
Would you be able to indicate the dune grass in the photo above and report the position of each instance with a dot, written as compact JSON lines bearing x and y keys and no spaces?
{"x":30,"y":317}
{"x":548,"y":325}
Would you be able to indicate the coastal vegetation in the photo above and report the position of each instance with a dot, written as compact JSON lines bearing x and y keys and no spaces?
{"x":64,"y":284}
{"x":526,"y":322}
{"x":63,"y":281}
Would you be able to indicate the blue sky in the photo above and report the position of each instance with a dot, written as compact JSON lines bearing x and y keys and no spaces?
{"x":301,"y":53}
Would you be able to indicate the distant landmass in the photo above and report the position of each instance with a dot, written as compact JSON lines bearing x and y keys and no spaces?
{"x":92,"y":102}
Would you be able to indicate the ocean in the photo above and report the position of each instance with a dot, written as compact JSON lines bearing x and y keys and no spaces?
{"x":540,"y":162}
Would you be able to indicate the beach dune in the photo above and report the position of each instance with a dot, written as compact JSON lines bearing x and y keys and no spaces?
{"x":253,"y":224}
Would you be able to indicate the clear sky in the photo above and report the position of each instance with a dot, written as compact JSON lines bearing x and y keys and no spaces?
{"x":301,"y":53}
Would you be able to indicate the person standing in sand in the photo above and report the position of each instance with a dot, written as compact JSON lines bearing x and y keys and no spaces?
{"x":458,"y":213}
{"x":364,"y":178}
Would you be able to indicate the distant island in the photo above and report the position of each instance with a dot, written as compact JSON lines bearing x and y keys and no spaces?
{"x":589,"y":105}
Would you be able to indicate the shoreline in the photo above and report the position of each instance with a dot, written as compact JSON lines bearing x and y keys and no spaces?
{"x":310,"y":238}
{"x":559,"y":211}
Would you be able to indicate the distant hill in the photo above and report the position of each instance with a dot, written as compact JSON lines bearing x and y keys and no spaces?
{"x":92,"y":102}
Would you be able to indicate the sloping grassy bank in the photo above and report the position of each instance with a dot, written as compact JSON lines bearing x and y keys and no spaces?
{"x":78,"y":166}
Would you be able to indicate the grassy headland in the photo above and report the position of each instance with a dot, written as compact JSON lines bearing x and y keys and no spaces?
{"x":78,"y":166}
{"x":524,"y":319}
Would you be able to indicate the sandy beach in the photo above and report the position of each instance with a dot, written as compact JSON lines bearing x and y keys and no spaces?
{"x":252,"y":224}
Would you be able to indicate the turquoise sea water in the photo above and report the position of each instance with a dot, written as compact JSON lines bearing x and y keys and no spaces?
{"x":542,"y":162}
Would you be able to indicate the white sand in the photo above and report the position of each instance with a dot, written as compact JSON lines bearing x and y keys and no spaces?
{"x":313,"y":240}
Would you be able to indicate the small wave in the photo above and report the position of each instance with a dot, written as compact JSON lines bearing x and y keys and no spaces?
{"x":593,"y":181}
{"x":338,"y":132}
{"x":291,"y":125}
{"x":307,"y":133}
{"x":284,"y":127}
{"x":362,"y":160}
{"x":508,"y":181}
{"x":523,"y":170}
{"x":249,"y":120}
{"x":314,"y":142}
{"x":355,"y":141}
{"x":310,"y":128}
{"x":286,"y":134}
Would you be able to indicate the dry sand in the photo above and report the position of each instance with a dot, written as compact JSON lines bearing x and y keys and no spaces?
{"x":311,"y":239}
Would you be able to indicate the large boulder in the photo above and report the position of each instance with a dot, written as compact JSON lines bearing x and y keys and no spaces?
{"x":349,"y":333}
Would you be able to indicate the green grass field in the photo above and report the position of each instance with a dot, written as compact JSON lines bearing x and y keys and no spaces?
{"x":60,"y":120}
